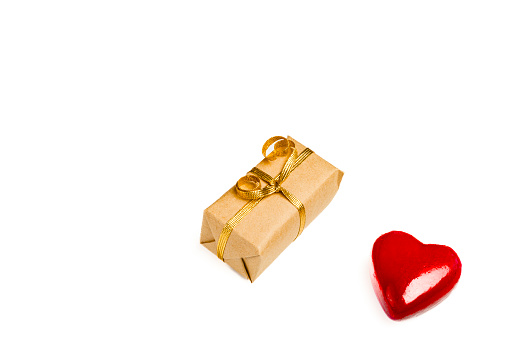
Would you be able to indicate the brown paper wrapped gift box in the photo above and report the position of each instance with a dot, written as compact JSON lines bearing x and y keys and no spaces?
{"x":273,"y":224}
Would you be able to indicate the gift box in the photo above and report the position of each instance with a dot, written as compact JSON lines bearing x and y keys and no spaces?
{"x":253,"y":222}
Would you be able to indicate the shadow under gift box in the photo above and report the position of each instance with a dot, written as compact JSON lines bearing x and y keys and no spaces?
{"x":273,"y":224}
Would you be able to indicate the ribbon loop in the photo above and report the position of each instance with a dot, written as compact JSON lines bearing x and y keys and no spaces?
{"x":249,"y":186}
{"x":248,"y":183}
{"x":281,"y":147}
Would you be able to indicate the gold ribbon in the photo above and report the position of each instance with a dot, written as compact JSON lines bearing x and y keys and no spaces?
{"x":249,"y":186}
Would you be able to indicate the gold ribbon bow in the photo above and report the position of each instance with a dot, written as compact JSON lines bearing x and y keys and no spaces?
{"x":249,"y":186}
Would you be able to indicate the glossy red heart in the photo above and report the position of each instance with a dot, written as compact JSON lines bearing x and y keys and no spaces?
{"x":409,"y":277}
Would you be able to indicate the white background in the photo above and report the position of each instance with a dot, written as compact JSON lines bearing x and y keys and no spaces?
{"x":121,"y":121}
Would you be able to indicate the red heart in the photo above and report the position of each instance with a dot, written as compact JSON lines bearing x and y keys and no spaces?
{"x":410,"y":276}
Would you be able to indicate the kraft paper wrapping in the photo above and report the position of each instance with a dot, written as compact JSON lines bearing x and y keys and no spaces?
{"x":273,"y":224}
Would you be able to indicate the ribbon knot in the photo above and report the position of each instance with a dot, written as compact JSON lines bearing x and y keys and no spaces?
{"x":277,"y":187}
{"x":249,"y":186}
